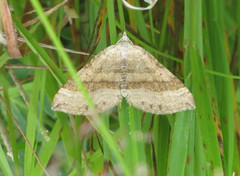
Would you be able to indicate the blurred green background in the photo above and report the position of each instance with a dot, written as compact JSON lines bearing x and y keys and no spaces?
{"x":197,"y":40}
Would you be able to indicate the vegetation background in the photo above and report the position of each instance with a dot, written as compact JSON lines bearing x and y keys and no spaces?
{"x":197,"y":40}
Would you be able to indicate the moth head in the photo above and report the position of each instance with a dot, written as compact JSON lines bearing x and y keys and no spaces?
{"x":124,"y":39}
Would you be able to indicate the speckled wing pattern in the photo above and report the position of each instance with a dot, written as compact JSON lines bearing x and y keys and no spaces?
{"x":125,"y":70}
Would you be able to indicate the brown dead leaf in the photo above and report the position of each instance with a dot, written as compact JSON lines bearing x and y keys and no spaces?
{"x":9,"y":30}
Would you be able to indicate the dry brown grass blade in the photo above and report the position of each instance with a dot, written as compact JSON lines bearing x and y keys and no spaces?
{"x":9,"y":29}
{"x":16,"y":82}
{"x":50,"y":46}
{"x":30,"y":22}
{"x":30,"y":67}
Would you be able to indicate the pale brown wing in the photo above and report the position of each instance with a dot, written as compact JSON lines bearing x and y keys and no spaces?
{"x":102,"y":79}
{"x":153,"y":88}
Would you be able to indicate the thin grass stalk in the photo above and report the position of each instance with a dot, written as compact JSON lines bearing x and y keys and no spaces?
{"x":121,"y":15}
{"x":237,"y":151}
{"x":238,"y":35}
{"x":3,"y":77}
{"x":140,"y":23}
{"x":42,"y":98}
{"x":60,"y":22}
{"x":164,"y":24}
{"x":111,"y":21}
{"x":152,"y":27}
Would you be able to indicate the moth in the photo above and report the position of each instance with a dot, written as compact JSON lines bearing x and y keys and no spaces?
{"x":125,"y":70}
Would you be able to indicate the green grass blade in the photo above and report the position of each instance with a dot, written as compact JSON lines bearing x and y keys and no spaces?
{"x":4,"y":58}
{"x":179,"y":146}
{"x":222,"y":74}
{"x":193,"y":59}
{"x":164,"y":24}
{"x":4,"y":164}
{"x":111,"y":21}
{"x":152,"y":27}
{"x":215,"y":22}
{"x":190,"y":161}
{"x":39,"y":51}
{"x":121,"y":15}
{"x":140,"y":23}
{"x":123,"y":110}
{"x":5,"y":84}
{"x":200,"y":164}
{"x":48,"y":148}
{"x":137,"y":142}
{"x":32,"y":124}
{"x":161,"y":131}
